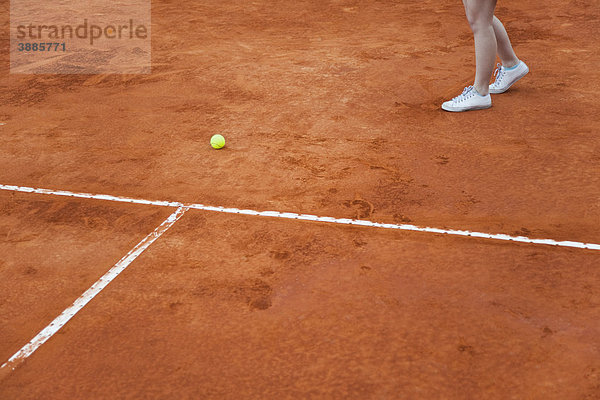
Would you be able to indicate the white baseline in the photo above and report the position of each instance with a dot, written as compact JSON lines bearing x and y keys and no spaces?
{"x":307,"y":217}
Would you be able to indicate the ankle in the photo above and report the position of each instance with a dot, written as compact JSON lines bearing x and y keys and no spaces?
{"x":483,"y":90}
{"x":510,"y":64}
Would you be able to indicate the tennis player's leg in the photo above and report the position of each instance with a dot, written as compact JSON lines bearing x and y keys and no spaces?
{"x":505,"y":50}
{"x":480,"y":14}
{"x":512,"y":69}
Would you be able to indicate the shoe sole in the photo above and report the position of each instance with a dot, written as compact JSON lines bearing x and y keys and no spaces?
{"x":467,"y":108}
{"x":519,"y":77}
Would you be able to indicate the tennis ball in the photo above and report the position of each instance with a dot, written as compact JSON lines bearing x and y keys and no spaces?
{"x":217,"y":141}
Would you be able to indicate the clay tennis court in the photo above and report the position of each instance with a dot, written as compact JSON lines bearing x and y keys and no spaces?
{"x":295,"y":262}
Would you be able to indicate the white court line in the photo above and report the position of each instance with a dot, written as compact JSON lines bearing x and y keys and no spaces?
{"x":89,"y":294}
{"x":306,"y":217}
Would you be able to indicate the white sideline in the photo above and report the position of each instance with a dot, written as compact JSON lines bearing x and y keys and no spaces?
{"x":89,"y":294}
{"x":306,"y":217}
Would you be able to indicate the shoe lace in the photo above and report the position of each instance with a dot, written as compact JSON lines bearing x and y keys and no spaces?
{"x":498,"y":73}
{"x":467,"y":92}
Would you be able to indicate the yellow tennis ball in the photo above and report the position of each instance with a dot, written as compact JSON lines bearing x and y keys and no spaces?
{"x":217,"y":141}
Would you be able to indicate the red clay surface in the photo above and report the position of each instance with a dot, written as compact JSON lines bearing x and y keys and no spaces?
{"x":325,"y":103}
{"x":330,"y":108}
{"x":230,"y":307}
{"x":52,"y":251}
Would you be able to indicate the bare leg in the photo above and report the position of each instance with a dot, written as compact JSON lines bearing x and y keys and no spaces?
{"x":505,"y":51}
{"x":480,"y":14}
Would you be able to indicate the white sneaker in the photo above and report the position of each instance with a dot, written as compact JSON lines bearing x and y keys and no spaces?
{"x":470,"y":99}
{"x":506,"y":77}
